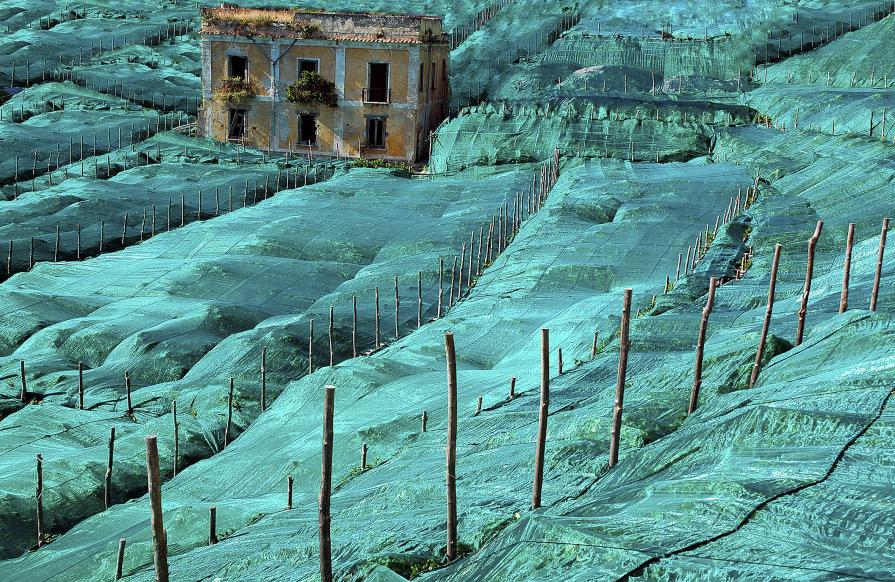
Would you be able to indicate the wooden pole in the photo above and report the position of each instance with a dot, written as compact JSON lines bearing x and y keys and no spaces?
{"x":24,"y":394}
{"x":310,"y":347}
{"x":593,"y":349}
{"x":289,"y":492}
{"x":846,"y":269}
{"x":700,"y":345}
{"x":809,"y":274}
{"x":425,"y":418}
{"x":451,"y":472}
{"x":108,"y":476}
{"x":40,"y":501}
{"x":419,"y":299}
{"x":767,"y":317}
{"x":119,"y":565}
{"x":263,"y":379}
{"x":542,"y":419}
{"x":176,"y":435}
{"x":80,"y":386}
{"x":376,"y":343}
{"x":879,"y":264}
{"x":229,"y":414}
{"x":559,"y":362}
{"x":512,"y":387}
{"x":332,"y":354}
{"x":620,"y":384}
{"x":212,"y":525}
{"x":326,"y":570}
{"x":159,"y":539}
{"x":363,"y":457}
{"x":127,"y":388}
{"x":453,"y":278}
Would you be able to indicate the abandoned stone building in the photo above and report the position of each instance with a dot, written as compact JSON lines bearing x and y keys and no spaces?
{"x":352,"y":85}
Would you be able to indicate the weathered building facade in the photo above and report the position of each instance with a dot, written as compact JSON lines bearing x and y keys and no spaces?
{"x":387,"y":74}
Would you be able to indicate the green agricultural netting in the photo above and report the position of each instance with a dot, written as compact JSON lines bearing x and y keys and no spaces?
{"x":185,"y":310}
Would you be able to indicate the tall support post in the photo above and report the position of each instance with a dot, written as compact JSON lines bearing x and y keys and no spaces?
{"x":542,"y":419}
{"x":809,"y":274}
{"x":620,"y":384}
{"x":326,"y":568}
{"x":451,"y":472}
{"x":772,"y":286}
{"x":700,"y":346}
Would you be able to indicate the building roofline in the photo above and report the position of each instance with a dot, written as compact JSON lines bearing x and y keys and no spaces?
{"x":311,"y":12}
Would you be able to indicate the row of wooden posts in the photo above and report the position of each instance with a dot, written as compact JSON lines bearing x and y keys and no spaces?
{"x":172,"y":30}
{"x":159,"y":541}
{"x":502,"y":228}
{"x":151,"y":219}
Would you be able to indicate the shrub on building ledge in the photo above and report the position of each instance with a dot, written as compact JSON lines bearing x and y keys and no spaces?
{"x":234,"y":89}
{"x":312,"y":88}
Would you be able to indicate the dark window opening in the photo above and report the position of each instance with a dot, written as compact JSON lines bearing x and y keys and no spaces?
{"x":432,"y":75}
{"x":307,"y":129}
{"x":239,"y":67}
{"x":236,"y":127}
{"x":308,"y":66}
{"x":444,"y":69}
{"x":378,"y":90}
{"x":376,"y":132}
{"x":422,"y":76}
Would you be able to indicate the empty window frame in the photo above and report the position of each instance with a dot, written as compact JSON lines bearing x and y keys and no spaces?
{"x":377,"y":90}
{"x":236,"y":124}
{"x":238,"y":67}
{"x":422,"y":76}
{"x":307,"y":129}
{"x":308,"y":66}
{"x":432,"y":75}
{"x":376,"y":132}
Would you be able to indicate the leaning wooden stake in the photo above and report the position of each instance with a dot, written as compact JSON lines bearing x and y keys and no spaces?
{"x":767,"y":317}
{"x":332,"y":353}
{"x":846,"y":269}
{"x":397,"y":310}
{"x":119,"y":565}
{"x":23,"y":396}
{"x":127,"y":387}
{"x":809,"y":274}
{"x":80,"y":386}
{"x":263,"y":379}
{"x":40,"y":501}
{"x":559,"y":362}
{"x":700,"y":345}
{"x":542,"y":419}
{"x":108,"y":476}
{"x":879,"y":264}
{"x":176,"y":435}
{"x":363,"y":457}
{"x":620,"y":384}
{"x":289,"y":492}
{"x":159,"y":540}
{"x":376,"y":343}
{"x":229,"y":414}
{"x":326,"y":569}
{"x":424,"y":419}
{"x":512,"y":387}
{"x":212,"y":525}
{"x":451,"y":472}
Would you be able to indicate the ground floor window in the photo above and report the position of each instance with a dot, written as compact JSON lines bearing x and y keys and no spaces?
{"x":307,"y":129}
{"x":236,"y":125}
{"x":376,"y":132}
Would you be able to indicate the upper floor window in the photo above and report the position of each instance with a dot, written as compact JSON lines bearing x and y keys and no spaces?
{"x":378,"y":85}
{"x":308,"y":66}
{"x":422,"y":76}
{"x":238,"y":67}
{"x":432,"y":75}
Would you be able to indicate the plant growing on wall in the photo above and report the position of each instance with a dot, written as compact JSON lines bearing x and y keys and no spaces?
{"x":312,"y":88}
{"x":234,"y":89}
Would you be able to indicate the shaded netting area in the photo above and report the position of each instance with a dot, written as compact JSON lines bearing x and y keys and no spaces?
{"x":725,"y":58}
{"x":788,"y":479}
{"x":860,"y":59}
{"x":564,"y":270}
{"x":185,"y":311}
{"x":497,"y":133}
